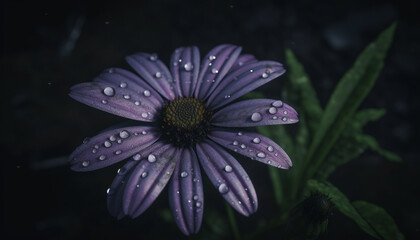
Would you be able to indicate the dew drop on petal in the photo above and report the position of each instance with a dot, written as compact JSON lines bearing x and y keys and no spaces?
{"x":109,"y":91}
{"x":212,"y":57}
{"x":270,"y":148}
{"x":123,"y":85}
{"x":124,"y":134}
{"x":240,"y":133}
{"x":243,"y":146}
{"x":144,"y":115}
{"x":256,"y":140}
{"x":272,"y":110}
{"x":235,"y":143}
{"x":94,"y":150}
{"x":214,"y":71}
{"x":127,"y":97}
{"x":223,"y":188}
{"x":195,"y":197}
{"x":256,"y":117}
{"x":151,"y":158}
{"x":137,"y":103}
{"x":104,"y":101}
{"x":184,"y":174}
{"x":261,"y":155}
{"x":146,"y":93}
{"x":198,"y":204}
{"x":277,"y":104}
{"x":144,"y":174}
{"x":143,"y":132}
{"x":251,"y":70}
{"x":137,"y":157}
{"x":119,"y":141}
{"x":112,"y":138}
{"x":264,"y":75}
{"x":85,"y":163}
{"x":108,"y":190}
{"x":227,"y":96}
{"x":284,"y":119}
{"x":158,"y":74}
{"x":228,"y":168}
{"x":118,"y":152}
{"x":188,"y":66}
{"x":153,"y":57}
{"x":285,"y":112}
{"x":107,"y":144}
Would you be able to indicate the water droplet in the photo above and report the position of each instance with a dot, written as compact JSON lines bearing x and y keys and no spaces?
{"x":144,"y":174}
{"x":256,"y":117}
{"x":284,"y":119}
{"x":124,"y":134}
{"x":212,"y":57}
{"x":123,"y":85}
{"x":137,"y":157}
{"x":111,"y":70}
{"x":277,"y":104}
{"x":86,"y":140}
{"x":198,"y":204}
{"x":188,"y":66}
{"x":108,"y":190}
{"x":196,"y":180}
{"x":118,"y":152}
{"x":143,"y":132}
{"x":228,"y":168}
{"x":243,"y":146}
{"x":137,"y":103}
{"x":104,"y":101}
{"x":94,"y":150}
{"x":146,"y":93}
{"x":285,"y":112}
{"x":151,"y":158}
{"x":261,"y":155}
{"x":223,"y":188}
{"x":144,"y":115}
{"x":240,"y":133}
{"x":136,"y":134}
{"x":274,"y":118}
{"x":195,"y":197}
{"x":264,"y":75}
{"x":251,"y":70}
{"x":138,"y":185}
{"x":127,"y":97}
{"x":184,"y":174}
{"x":269,"y":161}
{"x":85,"y":163}
{"x":158,"y":74}
{"x":153,"y":57}
{"x":270,"y":148}
{"x":96,"y":146}
{"x":227,"y":96}
{"x":120,"y":172}
{"x":119,"y":141}
{"x":109,"y":91}
{"x":235,"y":143}
{"x":107,"y":144}
{"x":239,"y":202}
{"x":214,"y":71}
{"x":272,"y":110}
{"x":112,"y":138}
{"x":256,"y":140}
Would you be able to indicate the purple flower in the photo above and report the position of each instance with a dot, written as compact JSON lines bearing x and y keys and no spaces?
{"x":185,"y":117}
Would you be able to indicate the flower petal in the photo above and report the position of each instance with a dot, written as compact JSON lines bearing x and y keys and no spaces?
{"x":109,"y":97}
{"x":127,"y":79}
{"x":255,"y":112}
{"x":149,"y":178}
{"x":185,"y":66}
{"x":243,"y":59}
{"x":154,"y":72}
{"x":252,"y":145}
{"x":214,"y":68}
{"x":111,"y":147}
{"x":228,"y":176}
{"x":186,"y":196}
{"x":243,"y":80}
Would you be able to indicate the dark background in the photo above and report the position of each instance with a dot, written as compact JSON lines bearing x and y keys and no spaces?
{"x":49,"y":46}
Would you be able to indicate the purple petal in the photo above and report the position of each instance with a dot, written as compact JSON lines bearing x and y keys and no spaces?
{"x":111,"y":147}
{"x":214,"y":68}
{"x":127,"y":79}
{"x":244,"y":80}
{"x":109,"y":97}
{"x":154,"y":72}
{"x":186,"y":196}
{"x":185,"y":66}
{"x":148,"y":179}
{"x":243,"y":59}
{"x":228,"y":176}
{"x":255,"y":112}
{"x":252,"y":145}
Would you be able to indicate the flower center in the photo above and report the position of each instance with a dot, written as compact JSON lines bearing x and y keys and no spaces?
{"x":185,"y":121}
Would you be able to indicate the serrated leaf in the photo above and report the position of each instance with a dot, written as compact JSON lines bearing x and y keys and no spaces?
{"x":346,"y":98}
{"x":379,"y":219}
{"x":342,"y":203}
{"x":371,"y":142}
{"x":301,"y":92}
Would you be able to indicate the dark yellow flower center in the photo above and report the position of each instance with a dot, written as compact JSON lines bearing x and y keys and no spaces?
{"x":185,"y":121}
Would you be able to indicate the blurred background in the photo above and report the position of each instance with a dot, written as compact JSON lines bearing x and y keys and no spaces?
{"x":48,"y":46}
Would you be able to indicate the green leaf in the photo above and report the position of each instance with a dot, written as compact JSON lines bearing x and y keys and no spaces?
{"x":367,"y":115}
{"x":346,"y":98}
{"x":371,"y":142}
{"x":300,"y":91}
{"x":342,"y":203}
{"x":379,"y":219}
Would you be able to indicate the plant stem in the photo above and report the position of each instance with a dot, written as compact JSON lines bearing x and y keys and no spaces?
{"x":232,"y":221}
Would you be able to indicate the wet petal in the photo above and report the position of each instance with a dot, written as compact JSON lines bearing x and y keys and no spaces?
{"x":255,"y":112}
{"x":186,"y":196}
{"x":111,"y":147}
{"x":252,"y":145}
{"x":154,"y":72}
{"x":243,"y":59}
{"x":214,"y":68}
{"x":109,"y":97}
{"x":185,"y":66}
{"x":243,"y":80}
{"x":148,"y":179}
{"x":228,"y":176}
{"x":127,"y":79}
